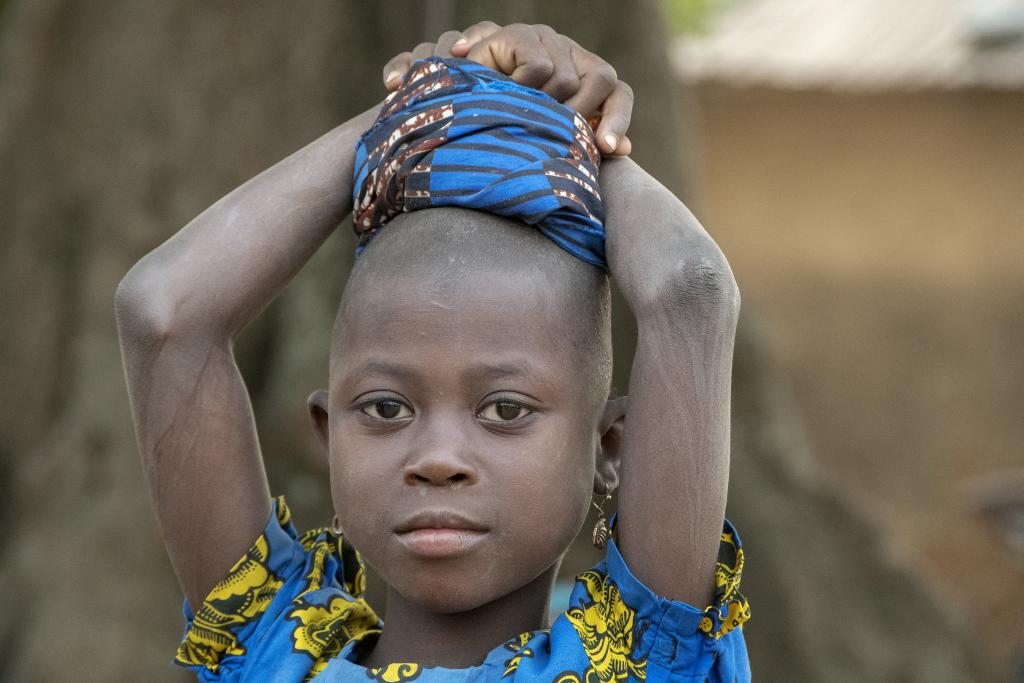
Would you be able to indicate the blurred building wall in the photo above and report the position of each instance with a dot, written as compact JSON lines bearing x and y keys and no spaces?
{"x":881,"y":237}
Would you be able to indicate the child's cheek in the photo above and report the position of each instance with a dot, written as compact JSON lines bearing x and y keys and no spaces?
{"x":555,"y":494}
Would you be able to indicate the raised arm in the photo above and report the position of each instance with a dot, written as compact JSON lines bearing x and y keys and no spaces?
{"x":675,"y":459}
{"x":179,"y":310}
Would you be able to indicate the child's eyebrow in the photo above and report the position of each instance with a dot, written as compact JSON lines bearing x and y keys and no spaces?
{"x":381,"y":367}
{"x":500,"y":370}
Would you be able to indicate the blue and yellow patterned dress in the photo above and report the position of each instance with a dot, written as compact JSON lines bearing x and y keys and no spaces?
{"x":291,"y":610}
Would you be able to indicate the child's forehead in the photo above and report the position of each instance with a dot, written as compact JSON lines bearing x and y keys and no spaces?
{"x":430,"y":322}
{"x":495,"y":307}
{"x":463,"y":292}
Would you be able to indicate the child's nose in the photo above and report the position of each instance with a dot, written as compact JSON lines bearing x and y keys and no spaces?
{"x":442,"y":465}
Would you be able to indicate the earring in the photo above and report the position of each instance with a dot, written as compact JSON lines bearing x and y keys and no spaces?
{"x":336,"y":526}
{"x":600,"y":536}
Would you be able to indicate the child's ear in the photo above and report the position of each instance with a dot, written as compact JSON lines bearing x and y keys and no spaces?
{"x":606,"y":477}
{"x":317,"y":404}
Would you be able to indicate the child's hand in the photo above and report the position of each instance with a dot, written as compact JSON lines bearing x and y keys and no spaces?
{"x":538,"y":57}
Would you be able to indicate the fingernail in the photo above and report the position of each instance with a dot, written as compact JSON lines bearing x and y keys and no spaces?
{"x":612,"y":141}
{"x":392,"y":76}
{"x":460,"y":41}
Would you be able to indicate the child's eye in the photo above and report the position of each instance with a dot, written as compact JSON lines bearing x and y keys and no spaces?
{"x":504,"y":410}
{"x":386,"y":409}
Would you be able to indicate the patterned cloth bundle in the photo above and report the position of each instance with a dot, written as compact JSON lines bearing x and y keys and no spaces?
{"x":457,"y":133}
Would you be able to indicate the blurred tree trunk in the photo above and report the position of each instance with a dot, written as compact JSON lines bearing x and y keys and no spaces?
{"x":119,"y":123}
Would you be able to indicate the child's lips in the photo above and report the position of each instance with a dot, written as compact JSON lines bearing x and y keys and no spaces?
{"x":439,"y":533}
{"x":440,"y":543}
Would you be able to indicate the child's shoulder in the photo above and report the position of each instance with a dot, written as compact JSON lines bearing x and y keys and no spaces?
{"x":626,"y":627}
{"x":292,"y":600}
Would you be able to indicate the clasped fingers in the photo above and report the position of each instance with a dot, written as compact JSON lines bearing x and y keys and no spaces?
{"x":539,"y":57}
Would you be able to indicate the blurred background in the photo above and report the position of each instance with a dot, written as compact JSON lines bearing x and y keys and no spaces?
{"x":861,"y":163}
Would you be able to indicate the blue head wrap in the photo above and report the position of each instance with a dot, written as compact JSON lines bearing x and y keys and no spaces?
{"x":457,"y":133}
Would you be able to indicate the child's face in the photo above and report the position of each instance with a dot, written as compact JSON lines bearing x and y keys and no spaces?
{"x":462,"y":436}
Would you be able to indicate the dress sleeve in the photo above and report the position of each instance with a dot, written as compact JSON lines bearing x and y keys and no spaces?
{"x":652,"y":638}
{"x":287,"y":606}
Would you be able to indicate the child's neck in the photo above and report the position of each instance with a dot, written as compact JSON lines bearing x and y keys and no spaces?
{"x":463,"y":639}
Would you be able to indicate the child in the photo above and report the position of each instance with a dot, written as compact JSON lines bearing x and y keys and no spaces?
{"x":467,"y":419}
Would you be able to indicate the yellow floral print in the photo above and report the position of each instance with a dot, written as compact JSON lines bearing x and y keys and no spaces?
{"x":237,"y":599}
{"x":337,"y":623}
{"x":588,"y":676}
{"x":395,"y":673}
{"x":324,"y":629}
{"x":730,"y":607}
{"x":352,"y":563}
{"x":244,"y":594}
{"x":605,"y":626}
{"x":518,"y":646}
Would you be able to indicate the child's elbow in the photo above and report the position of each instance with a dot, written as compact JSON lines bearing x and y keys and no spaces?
{"x":141,"y":305}
{"x":701,"y":282}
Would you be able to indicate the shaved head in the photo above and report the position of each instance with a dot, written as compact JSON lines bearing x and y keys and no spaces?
{"x":446,"y":249}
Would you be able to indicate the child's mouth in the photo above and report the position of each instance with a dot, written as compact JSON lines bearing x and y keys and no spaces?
{"x":439,"y":534}
{"x":438,"y":543}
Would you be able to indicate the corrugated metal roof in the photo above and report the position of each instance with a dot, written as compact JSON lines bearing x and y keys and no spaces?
{"x":861,"y":45}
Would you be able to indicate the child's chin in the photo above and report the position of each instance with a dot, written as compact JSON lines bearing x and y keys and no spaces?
{"x":451,"y":596}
